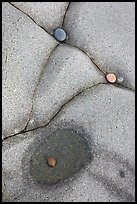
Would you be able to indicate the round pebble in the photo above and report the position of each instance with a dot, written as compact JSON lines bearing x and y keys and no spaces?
{"x":60,"y":34}
{"x":52,"y":161}
{"x":111,"y":78}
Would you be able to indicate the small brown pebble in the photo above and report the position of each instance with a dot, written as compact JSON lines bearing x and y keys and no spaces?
{"x":52,"y":161}
{"x":111,"y":78}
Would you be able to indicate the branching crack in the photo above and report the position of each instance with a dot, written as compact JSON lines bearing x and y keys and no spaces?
{"x":78,"y":93}
{"x":35,"y":89}
{"x":91,"y":58}
{"x":31,"y":19}
{"x":98,"y":66}
{"x":58,"y":110}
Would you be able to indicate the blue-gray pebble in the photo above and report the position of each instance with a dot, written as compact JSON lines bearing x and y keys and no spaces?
{"x":60,"y":34}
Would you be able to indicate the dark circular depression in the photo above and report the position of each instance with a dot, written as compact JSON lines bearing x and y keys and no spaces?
{"x":69,"y":148}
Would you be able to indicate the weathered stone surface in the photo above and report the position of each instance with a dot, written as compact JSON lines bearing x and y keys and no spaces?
{"x":49,"y":15}
{"x":25,"y":50}
{"x":106,"y":31}
{"x":102,"y":115}
{"x":68,"y":72}
{"x":107,"y":112}
{"x":16,"y":161}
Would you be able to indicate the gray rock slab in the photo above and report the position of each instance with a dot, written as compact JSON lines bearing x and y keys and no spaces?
{"x":49,"y":15}
{"x":25,"y":50}
{"x":108,"y":115}
{"x":106,"y":31}
{"x":67,"y":73}
{"x":21,"y":188}
{"x":12,"y":174}
{"x":105,"y":116}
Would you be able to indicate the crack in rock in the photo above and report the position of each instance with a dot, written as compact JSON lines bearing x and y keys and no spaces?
{"x":92,"y":60}
{"x":98,"y":66}
{"x":57,"y":111}
{"x":31,"y":18}
{"x":65,"y":14}
{"x":35,"y":89}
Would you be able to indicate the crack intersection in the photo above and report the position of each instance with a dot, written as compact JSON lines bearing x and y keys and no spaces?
{"x":58,"y":110}
{"x":78,"y":93}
